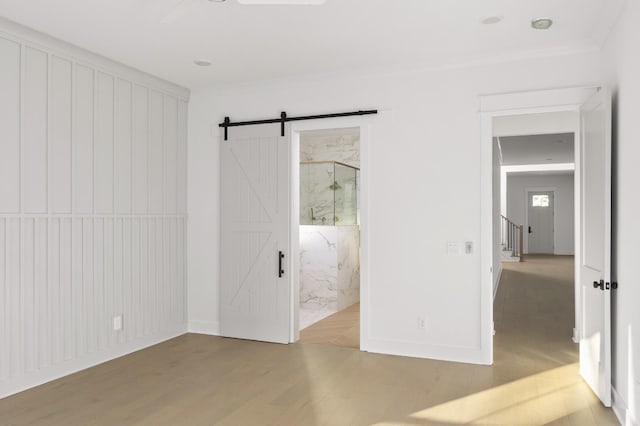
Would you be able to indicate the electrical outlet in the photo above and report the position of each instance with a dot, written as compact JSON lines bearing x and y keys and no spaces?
{"x":117,"y":323}
{"x":422,"y":323}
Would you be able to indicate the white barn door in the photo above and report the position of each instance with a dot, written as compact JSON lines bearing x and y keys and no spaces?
{"x":595,"y":267}
{"x":255,"y":188}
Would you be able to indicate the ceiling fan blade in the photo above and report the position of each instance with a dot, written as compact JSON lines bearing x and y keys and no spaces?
{"x":180,"y":10}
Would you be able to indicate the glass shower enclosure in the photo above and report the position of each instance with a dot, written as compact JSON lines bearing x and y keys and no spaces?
{"x":329,"y":193}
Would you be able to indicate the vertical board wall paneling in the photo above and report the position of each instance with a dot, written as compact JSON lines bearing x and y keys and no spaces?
{"x":41,"y":293}
{"x":89,"y":285}
{"x":27,"y":296}
{"x":55,"y":311}
{"x":182,"y":157}
{"x":123,"y":130}
{"x":156,"y":151}
{"x":93,"y":170}
{"x":34,"y":130}
{"x":77,"y":293}
{"x":140,"y":150}
{"x":103,"y":145}
{"x":10,"y":125}
{"x":83,"y":120}
{"x":60,"y":91}
{"x":68,"y":326}
{"x":170,"y":154}
{"x":14,"y":309}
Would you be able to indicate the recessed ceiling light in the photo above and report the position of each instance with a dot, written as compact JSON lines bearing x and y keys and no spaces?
{"x":490,"y":20}
{"x":541,"y":23}
{"x":549,"y":159}
{"x":202,"y":62}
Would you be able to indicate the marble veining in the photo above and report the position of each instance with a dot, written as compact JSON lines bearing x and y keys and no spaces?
{"x":329,"y":270}
{"x":335,"y":147}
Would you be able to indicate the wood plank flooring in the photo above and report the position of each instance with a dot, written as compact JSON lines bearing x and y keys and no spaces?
{"x":205,"y":380}
{"x":339,"y":329}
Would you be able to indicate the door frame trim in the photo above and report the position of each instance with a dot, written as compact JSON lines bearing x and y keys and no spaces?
{"x":567,"y":99}
{"x":363,"y":123}
{"x":527,"y":190}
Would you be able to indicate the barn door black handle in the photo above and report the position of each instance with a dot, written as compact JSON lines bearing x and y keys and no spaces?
{"x":529,"y":229}
{"x":280,"y":259}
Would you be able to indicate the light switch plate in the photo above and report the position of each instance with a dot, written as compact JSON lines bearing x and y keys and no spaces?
{"x":454,"y":248}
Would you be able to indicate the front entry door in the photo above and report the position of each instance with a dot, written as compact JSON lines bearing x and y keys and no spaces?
{"x":540,"y":227}
{"x":255,"y":242}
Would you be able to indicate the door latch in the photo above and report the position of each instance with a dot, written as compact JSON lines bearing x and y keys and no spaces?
{"x":602,"y":285}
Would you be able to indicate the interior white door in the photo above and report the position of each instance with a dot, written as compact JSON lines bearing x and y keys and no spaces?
{"x":540,"y":230}
{"x":595,"y":250}
{"x":254,"y":247}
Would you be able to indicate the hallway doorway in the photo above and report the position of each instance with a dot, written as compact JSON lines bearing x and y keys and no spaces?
{"x":534,"y":311}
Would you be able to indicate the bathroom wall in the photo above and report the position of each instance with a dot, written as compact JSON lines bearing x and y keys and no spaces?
{"x":319,"y":267}
{"x":330,"y":267}
{"x":336,"y":145}
{"x":348,"y":260}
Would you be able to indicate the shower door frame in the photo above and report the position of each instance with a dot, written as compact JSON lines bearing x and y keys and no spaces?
{"x":363,"y":123}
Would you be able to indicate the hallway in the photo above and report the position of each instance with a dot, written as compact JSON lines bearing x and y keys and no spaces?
{"x":534,"y":313}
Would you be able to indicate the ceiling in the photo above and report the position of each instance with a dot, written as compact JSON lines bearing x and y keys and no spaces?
{"x":537,"y":149}
{"x":258,"y":43}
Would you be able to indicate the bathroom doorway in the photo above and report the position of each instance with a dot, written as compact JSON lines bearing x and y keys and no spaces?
{"x":328,"y":192}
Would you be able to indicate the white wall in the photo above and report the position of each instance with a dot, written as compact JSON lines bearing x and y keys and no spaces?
{"x":517,"y":185}
{"x":621,"y":68}
{"x":423,"y":161}
{"x":92,"y":209}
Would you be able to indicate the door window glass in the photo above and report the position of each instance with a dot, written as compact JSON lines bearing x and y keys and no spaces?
{"x":540,"y":200}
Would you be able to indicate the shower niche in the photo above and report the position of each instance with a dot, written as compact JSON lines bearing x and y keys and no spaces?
{"x":329,"y":238}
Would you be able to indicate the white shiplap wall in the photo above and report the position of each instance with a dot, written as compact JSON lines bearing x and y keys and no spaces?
{"x":93,"y":166}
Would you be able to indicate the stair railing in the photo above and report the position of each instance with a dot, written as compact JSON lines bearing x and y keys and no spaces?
{"x":512,"y":236}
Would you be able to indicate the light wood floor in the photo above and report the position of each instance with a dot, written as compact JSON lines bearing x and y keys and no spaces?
{"x":340,"y":329}
{"x":204,"y":380}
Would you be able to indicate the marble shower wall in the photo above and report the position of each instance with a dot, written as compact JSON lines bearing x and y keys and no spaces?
{"x":348,"y":266}
{"x":329,"y":267}
{"x":319,"y":267}
{"x":336,"y":145}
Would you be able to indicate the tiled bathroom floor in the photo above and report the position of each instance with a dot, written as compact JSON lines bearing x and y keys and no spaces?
{"x":311,"y":316}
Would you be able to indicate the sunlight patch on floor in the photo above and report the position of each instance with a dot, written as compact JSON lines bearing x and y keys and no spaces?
{"x":537,"y":399}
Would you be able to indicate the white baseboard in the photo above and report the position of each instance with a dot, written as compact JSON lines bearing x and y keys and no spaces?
{"x":36,"y":378}
{"x":205,"y":327}
{"x":469,"y":355}
{"x":496,"y":282}
{"x":621,"y":410}
{"x":564,"y":252}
